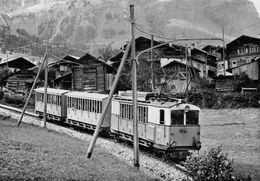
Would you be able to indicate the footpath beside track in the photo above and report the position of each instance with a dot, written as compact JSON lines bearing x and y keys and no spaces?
{"x":148,"y":164}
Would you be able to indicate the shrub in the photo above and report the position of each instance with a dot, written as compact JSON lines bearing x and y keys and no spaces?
{"x":213,"y":165}
{"x":15,"y":100}
{"x":1,"y":95}
{"x":195,"y":98}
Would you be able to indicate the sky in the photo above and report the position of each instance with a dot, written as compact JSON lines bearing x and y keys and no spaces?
{"x":257,"y":5}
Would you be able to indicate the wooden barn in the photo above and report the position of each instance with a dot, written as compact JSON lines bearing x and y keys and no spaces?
{"x":21,"y":78}
{"x":94,"y":75}
{"x":62,"y":68}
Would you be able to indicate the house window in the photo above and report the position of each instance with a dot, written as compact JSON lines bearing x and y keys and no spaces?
{"x":252,"y":49}
{"x":243,"y":50}
{"x":256,"y":48}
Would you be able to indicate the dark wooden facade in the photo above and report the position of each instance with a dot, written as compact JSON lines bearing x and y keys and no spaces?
{"x":63,"y":73}
{"x":93,"y":76}
{"x":21,"y":81}
{"x":22,"y":76}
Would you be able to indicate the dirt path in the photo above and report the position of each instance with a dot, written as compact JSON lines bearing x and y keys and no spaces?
{"x":30,"y":152}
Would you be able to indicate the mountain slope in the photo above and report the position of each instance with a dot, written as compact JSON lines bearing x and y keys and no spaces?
{"x":84,"y":24}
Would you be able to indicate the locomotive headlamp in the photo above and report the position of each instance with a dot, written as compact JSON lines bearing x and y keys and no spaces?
{"x":187,"y":108}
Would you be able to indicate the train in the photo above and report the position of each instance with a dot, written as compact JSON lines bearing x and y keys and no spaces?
{"x":168,"y":126}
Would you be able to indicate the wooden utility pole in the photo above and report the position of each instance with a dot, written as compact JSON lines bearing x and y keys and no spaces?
{"x":186,"y":69}
{"x":134,"y":89}
{"x":152,"y":74}
{"x":29,"y":96}
{"x":223,"y":51}
{"x":45,"y":87}
{"x":104,"y":111}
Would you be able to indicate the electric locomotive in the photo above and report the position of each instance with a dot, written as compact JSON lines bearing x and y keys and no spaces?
{"x":169,"y":126}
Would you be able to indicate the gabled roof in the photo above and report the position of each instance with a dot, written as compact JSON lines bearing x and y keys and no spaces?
{"x":70,"y":59}
{"x":138,"y":41}
{"x":196,"y":50}
{"x":18,"y":63}
{"x":142,"y":39}
{"x":87,"y":57}
{"x":174,"y":62}
{"x":244,"y":39}
{"x":209,"y":47}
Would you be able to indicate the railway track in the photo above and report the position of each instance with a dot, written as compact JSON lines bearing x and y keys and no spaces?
{"x":15,"y":113}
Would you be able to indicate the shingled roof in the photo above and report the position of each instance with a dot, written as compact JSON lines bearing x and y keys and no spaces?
{"x":18,"y":63}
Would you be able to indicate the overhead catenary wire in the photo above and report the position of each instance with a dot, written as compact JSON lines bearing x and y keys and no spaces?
{"x":178,"y":39}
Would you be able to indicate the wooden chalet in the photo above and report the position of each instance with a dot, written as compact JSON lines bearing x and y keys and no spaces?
{"x":176,"y":77}
{"x":143,"y":43}
{"x":22,"y":76}
{"x":62,"y":68}
{"x":197,"y":63}
{"x":243,"y":55}
{"x":94,"y":75}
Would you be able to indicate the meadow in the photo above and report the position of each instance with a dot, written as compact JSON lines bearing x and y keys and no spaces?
{"x":238,"y":131}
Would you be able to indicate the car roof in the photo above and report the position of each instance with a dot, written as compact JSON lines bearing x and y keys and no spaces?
{"x":85,"y":95}
{"x":51,"y":90}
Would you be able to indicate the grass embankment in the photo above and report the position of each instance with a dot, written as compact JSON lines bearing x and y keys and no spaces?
{"x":28,"y":152}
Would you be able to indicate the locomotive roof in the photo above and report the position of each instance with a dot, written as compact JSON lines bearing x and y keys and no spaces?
{"x":51,"y":90}
{"x":78,"y":94}
{"x":162,"y":104}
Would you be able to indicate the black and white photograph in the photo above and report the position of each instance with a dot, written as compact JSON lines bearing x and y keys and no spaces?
{"x":130,"y":90}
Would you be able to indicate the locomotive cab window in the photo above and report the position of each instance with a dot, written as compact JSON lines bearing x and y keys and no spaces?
{"x":177,"y":117}
{"x":161,"y":116}
{"x":192,"y":117}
